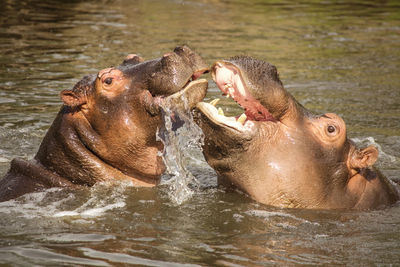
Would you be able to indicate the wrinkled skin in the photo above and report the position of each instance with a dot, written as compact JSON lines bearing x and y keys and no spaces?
{"x":106,"y":129}
{"x":281,"y":154}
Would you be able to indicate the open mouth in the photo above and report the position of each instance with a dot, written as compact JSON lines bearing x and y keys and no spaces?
{"x":191,"y":93}
{"x":229,"y":80}
{"x":195,"y":76}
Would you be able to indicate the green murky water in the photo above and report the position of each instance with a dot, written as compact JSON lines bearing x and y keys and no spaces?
{"x":334,"y":56}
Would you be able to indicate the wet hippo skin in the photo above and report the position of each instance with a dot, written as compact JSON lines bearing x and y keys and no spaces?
{"x":106,"y":129}
{"x":280,"y":153}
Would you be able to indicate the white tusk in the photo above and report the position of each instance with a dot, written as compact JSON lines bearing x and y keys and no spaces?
{"x":214,"y":102}
{"x":242,"y":118}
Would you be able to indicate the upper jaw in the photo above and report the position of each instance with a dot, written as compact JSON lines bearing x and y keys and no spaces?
{"x":232,"y":83}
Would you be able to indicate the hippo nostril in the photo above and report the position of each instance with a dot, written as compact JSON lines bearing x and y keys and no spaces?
{"x":180,"y":49}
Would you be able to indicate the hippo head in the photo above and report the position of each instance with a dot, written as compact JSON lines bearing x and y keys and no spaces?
{"x":280,"y":153}
{"x":112,"y":117}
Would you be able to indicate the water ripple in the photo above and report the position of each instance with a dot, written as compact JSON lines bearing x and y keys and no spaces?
{"x":46,"y":257}
{"x":129,"y":259}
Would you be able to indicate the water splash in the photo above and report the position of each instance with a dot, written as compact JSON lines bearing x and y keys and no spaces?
{"x":58,"y":203}
{"x":96,"y":205}
{"x":182,"y":138}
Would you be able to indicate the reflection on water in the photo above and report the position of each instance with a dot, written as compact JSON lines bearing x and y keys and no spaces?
{"x":340,"y":57}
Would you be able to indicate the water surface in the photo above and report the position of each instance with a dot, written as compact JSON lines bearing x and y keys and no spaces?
{"x":341,"y":57}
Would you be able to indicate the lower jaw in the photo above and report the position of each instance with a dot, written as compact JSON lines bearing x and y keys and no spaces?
{"x":192,"y":93}
{"x":240,"y":123}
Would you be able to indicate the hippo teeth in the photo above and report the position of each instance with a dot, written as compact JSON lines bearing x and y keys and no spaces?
{"x":229,"y":90}
{"x":220,"y":111}
{"x":242,"y":119}
{"x":216,"y":116}
{"x":214,"y":102}
{"x":227,"y":85}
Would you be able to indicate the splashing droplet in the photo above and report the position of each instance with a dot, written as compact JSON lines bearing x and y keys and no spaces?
{"x":179,"y":135}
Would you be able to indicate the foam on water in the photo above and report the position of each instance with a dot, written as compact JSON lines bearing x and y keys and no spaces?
{"x":56,"y":202}
{"x":31,"y":205}
{"x":98,"y":204}
{"x":269,"y":214}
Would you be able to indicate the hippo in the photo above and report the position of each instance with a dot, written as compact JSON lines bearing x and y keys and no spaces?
{"x":106,"y":128}
{"x":280,"y":153}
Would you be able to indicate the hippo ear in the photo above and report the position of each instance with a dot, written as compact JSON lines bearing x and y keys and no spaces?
{"x":364,"y":158}
{"x":72,"y":99}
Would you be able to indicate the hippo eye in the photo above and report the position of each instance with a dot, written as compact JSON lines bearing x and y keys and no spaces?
{"x":331,"y":129}
{"x":108,"y":80}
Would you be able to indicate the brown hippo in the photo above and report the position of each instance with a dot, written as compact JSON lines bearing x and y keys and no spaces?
{"x":281,"y":154}
{"x":107,"y":127}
